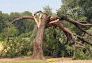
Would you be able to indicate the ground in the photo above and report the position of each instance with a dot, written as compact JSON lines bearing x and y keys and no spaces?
{"x":49,"y":60}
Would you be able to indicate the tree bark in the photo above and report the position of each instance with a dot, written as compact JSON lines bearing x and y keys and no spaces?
{"x":37,"y":46}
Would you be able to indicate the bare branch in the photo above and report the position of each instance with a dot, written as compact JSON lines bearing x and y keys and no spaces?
{"x":67,"y":32}
{"x":73,"y":21}
{"x":83,"y":30}
{"x":83,"y":40}
{"x":77,"y":24}
{"x":24,"y":17}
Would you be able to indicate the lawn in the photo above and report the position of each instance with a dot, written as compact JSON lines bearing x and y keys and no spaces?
{"x":24,"y":62}
{"x":27,"y":60}
{"x":50,"y":60}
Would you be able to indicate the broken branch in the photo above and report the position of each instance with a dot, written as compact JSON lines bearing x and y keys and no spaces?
{"x":77,"y":24}
{"x":24,"y":17}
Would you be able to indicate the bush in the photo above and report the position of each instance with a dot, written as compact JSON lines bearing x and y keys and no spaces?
{"x":16,"y":47}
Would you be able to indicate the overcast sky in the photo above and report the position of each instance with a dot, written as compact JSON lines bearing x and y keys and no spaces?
{"x":27,"y":5}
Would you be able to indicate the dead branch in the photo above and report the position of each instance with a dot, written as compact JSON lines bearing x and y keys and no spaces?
{"x":77,"y":24}
{"x":83,"y":30}
{"x":23,"y":17}
{"x":67,"y":32}
{"x":83,"y":40}
{"x":73,"y":21}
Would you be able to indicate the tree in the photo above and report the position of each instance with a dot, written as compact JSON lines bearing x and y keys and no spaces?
{"x":86,"y":6}
{"x":80,"y":11}
{"x":44,"y":21}
{"x":47,"y":10}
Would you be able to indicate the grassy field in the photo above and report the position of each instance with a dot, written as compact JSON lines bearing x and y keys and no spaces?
{"x":51,"y":60}
{"x":23,"y":62}
{"x":28,"y":60}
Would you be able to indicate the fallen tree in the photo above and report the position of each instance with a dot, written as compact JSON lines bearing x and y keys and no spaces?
{"x":44,"y":21}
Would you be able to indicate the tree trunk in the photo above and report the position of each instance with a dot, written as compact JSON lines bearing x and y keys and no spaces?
{"x":37,"y":46}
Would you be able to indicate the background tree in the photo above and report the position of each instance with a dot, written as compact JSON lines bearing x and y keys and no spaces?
{"x":76,"y":10}
{"x":48,"y":10}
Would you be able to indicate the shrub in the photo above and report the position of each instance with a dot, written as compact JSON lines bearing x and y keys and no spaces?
{"x":16,"y":47}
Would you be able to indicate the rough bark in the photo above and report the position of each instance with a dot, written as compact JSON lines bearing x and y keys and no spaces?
{"x":37,"y":47}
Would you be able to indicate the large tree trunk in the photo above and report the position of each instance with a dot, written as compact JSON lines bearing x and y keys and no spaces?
{"x":37,"y":46}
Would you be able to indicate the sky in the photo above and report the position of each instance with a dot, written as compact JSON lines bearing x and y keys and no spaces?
{"x":8,"y":6}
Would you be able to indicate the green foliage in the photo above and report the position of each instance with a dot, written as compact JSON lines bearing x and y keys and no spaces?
{"x":47,"y":10}
{"x":86,"y":5}
{"x":17,"y":39}
{"x":51,"y":43}
{"x":16,"y":47}
{"x":9,"y":32}
{"x":55,"y":43}
{"x":84,"y":53}
{"x":79,"y":10}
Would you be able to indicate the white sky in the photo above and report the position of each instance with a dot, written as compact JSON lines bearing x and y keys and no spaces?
{"x":28,"y":5}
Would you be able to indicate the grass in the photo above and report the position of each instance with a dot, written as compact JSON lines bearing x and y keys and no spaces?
{"x":51,"y":60}
{"x":24,"y":62}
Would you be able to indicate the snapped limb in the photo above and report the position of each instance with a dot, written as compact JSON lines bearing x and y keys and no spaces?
{"x":23,"y":17}
{"x":83,"y":40}
{"x":77,"y":24}
{"x":70,"y":36}
{"x":67,"y":32}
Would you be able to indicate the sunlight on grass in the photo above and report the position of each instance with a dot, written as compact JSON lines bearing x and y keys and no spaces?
{"x":52,"y":60}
